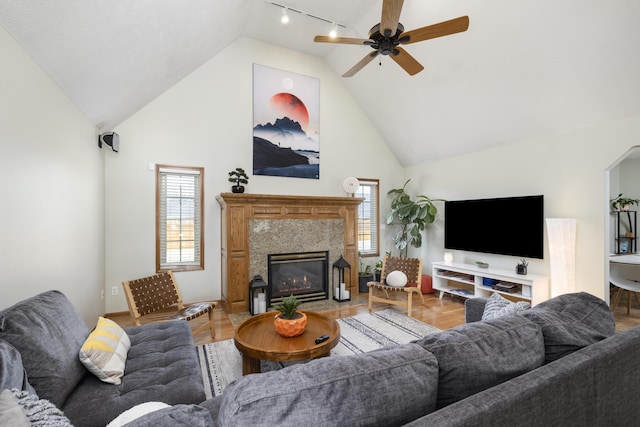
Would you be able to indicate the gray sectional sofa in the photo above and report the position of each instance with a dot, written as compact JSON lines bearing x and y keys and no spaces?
{"x":559,"y":363}
{"x":40,"y":339}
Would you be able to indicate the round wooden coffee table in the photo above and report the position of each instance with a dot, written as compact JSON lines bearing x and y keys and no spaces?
{"x":257,"y":340}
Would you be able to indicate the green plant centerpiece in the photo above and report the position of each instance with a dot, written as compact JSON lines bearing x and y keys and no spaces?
{"x":412,"y":216}
{"x":238,"y":177}
{"x":290,"y":322}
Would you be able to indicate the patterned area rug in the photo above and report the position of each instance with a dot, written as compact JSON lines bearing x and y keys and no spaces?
{"x":221,"y":362}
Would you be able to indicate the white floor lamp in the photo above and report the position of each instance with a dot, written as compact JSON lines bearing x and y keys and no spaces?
{"x":562,"y":254}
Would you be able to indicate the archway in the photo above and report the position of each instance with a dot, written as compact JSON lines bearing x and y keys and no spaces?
{"x":619,"y":178}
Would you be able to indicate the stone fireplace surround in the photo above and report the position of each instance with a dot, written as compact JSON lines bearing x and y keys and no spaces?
{"x":255,"y":225}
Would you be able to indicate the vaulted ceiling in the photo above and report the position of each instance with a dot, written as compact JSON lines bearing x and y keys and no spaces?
{"x":524,"y":69}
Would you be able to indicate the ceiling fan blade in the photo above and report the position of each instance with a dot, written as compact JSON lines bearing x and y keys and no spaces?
{"x":407,"y":62}
{"x":390,"y":16}
{"x":360,"y":65}
{"x":445,"y":28}
{"x":342,"y":40}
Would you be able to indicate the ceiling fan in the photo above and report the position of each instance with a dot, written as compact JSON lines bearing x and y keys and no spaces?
{"x":386,"y":37}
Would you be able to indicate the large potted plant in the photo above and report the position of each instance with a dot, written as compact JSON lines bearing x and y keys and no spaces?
{"x":238,"y":176}
{"x":412,"y":216}
{"x":290,"y":322}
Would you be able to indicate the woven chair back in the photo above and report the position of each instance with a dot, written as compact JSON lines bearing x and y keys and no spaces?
{"x":154,"y":293}
{"x":412,"y":267}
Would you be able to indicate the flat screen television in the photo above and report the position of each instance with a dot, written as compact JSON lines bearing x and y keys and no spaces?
{"x":504,"y":226}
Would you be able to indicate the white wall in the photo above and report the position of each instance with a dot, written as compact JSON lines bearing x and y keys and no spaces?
{"x":51,"y":188}
{"x":568,"y":169}
{"x":206,"y":120}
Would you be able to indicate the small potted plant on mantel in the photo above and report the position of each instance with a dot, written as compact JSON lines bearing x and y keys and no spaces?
{"x":290,"y":322}
{"x":238,"y":176}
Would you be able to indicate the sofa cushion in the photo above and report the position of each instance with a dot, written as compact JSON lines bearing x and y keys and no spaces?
{"x":175,"y":416}
{"x":162,"y":366}
{"x":48,"y":332}
{"x":476,"y":356}
{"x":104,"y":353}
{"x":497,"y":306}
{"x":385,"y":387}
{"x":570,"y":322}
{"x":12,"y":373}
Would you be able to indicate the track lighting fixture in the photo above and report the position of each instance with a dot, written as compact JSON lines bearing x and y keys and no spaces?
{"x":334,"y":30}
{"x":285,"y":16}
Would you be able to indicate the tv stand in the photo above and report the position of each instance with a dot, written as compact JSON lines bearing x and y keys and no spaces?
{"x":469,"y":281}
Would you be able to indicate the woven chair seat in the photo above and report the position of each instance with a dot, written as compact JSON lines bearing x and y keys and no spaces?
{"x":409,"y":287}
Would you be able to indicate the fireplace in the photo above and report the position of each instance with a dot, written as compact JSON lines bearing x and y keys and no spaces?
{"x":304,"y":275}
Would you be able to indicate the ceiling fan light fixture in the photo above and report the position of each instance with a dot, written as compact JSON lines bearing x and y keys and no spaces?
{"x":285,"y":16}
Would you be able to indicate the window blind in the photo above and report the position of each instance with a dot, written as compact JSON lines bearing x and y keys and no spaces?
{"x":368,"y":221}
{"x":179,"y":233}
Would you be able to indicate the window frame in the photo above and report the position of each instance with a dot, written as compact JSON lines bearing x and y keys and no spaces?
{"x":374,"y":230}
{"x":197,"y":264}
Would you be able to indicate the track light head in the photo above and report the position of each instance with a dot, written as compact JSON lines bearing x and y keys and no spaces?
{"x":285,"y":16}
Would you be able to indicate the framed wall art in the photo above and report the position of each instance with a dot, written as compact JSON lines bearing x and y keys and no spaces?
{"x":286,"y":125}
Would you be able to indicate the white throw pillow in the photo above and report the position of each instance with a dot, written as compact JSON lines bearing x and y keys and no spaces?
{"x":396,"y":279}
{"x":104,"y":353}
{"x":498,"y":306}
{"x":136,"y":412}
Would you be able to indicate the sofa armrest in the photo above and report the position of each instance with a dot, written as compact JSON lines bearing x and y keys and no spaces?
{"x":473,"y":309}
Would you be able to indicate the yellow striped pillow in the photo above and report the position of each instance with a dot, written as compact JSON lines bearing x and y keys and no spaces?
{"x":104,"y":353}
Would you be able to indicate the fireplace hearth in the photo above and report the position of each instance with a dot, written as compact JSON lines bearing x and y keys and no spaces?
{"x":304,"y":275}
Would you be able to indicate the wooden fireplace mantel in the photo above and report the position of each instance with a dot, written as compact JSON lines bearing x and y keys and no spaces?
{"x":239,"y":209}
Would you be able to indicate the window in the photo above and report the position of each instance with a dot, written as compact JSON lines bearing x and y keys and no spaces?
{"x":368,"y":223}
{"x":179,"y":219}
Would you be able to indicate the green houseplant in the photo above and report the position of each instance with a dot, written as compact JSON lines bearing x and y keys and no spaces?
{"x":290,"y":322}
{"x":239,"y":177}
{"x":411,"y":215}
{"x":365,"y":275}
{"x":622,"y":203}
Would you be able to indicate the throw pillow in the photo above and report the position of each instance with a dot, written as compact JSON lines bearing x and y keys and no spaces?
{"x":11,"y":413}
{"x":104,"y":353}
{"x":396,"y":279}
{"x":498,"y":306}
{"x":40,"y":412}
{"x":12,"y":373}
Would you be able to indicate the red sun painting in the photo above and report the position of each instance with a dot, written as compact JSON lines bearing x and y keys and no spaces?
{"x":290,"y":106}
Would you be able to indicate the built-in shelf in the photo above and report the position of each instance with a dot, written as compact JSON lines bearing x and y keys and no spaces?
{"x":468,"y":281}
{"x":625,"y":243}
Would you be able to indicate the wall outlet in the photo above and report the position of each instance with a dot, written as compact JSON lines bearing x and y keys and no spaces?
{"x":114,"y":290}
{"x":102,"y":294}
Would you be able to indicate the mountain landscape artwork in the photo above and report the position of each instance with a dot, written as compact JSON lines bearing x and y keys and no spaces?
{"x":286,"y":128}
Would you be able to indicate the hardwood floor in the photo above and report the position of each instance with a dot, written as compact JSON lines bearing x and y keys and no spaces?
{"x":442,"y":313}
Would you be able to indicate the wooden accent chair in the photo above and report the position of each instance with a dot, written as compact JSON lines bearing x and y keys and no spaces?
{"x":412,"y":267}
{"x":160,"y":291}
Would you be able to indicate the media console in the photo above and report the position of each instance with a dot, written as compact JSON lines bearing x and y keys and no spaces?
{"x":469,"y":281}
